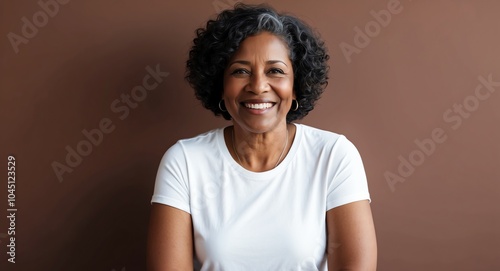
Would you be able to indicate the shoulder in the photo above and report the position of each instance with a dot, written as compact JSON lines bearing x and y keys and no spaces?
{"x":322,"y":139}
{"x":205,"y":139}
{"x":316,"y":132}
{"x":198,"y":144}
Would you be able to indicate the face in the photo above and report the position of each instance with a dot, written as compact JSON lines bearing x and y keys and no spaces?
{"x":258,"y":84}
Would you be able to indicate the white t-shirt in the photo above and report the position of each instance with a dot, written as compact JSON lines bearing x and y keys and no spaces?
{"x":272,"y":220}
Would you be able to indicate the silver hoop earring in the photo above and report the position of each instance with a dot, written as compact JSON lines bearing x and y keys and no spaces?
{"x":296,"y":105}
{"x":220,"y":107}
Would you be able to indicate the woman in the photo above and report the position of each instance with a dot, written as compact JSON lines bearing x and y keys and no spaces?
{"x":264,"y":193}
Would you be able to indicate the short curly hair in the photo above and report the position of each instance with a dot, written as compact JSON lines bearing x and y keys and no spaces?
{"x":215,"y":44}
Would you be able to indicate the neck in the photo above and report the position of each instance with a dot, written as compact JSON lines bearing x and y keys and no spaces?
{"x":261,"y":151}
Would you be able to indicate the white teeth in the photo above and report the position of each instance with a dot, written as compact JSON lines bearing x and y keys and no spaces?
{"x":258,"y":106}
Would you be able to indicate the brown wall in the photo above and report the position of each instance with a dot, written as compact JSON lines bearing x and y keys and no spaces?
{"x":406,"y":83}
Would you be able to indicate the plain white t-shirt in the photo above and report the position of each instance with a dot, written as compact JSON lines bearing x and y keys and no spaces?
{"x":272,"y":220}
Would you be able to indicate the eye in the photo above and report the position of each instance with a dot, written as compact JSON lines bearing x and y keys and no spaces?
{"x":276,"y":71}
{"x":240,"y":72}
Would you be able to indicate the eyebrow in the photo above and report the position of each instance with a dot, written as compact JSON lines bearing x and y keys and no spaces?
{"x":244,"y":62}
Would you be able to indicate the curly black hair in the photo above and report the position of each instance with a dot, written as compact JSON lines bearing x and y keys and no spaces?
{"x":215,"y":44}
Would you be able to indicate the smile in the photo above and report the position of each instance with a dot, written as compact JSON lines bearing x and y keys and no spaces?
{"x":260,"y":106}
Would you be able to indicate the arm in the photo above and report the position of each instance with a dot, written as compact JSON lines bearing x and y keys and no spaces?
{"x":170,"y":239}
{"x":352,"y":244}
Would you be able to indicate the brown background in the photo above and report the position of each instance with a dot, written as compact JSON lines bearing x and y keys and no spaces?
{"x":444,"y":216}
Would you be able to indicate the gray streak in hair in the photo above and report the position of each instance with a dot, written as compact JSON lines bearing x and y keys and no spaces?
{"x":270,"y":22}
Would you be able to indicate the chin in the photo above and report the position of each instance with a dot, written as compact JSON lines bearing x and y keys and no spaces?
{"x":259,"y":126}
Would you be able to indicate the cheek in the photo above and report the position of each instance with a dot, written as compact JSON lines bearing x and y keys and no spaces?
{"x":230,"y":88}
{"x":286,"y":89}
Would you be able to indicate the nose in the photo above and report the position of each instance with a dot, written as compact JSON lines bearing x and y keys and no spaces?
{"x":258,"y":84}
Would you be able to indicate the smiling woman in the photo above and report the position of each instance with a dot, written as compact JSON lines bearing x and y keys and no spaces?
{"x":263,"y":193}
{"x":258,"y":85}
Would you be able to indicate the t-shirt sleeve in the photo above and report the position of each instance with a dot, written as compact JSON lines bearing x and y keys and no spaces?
{"x":348,"y":183}
{"x":171,"y":184}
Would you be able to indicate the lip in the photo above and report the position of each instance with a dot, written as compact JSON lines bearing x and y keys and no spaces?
{"x":257,"y":101}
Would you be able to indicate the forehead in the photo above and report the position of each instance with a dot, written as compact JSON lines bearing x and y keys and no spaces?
{"x":263,"y":45}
